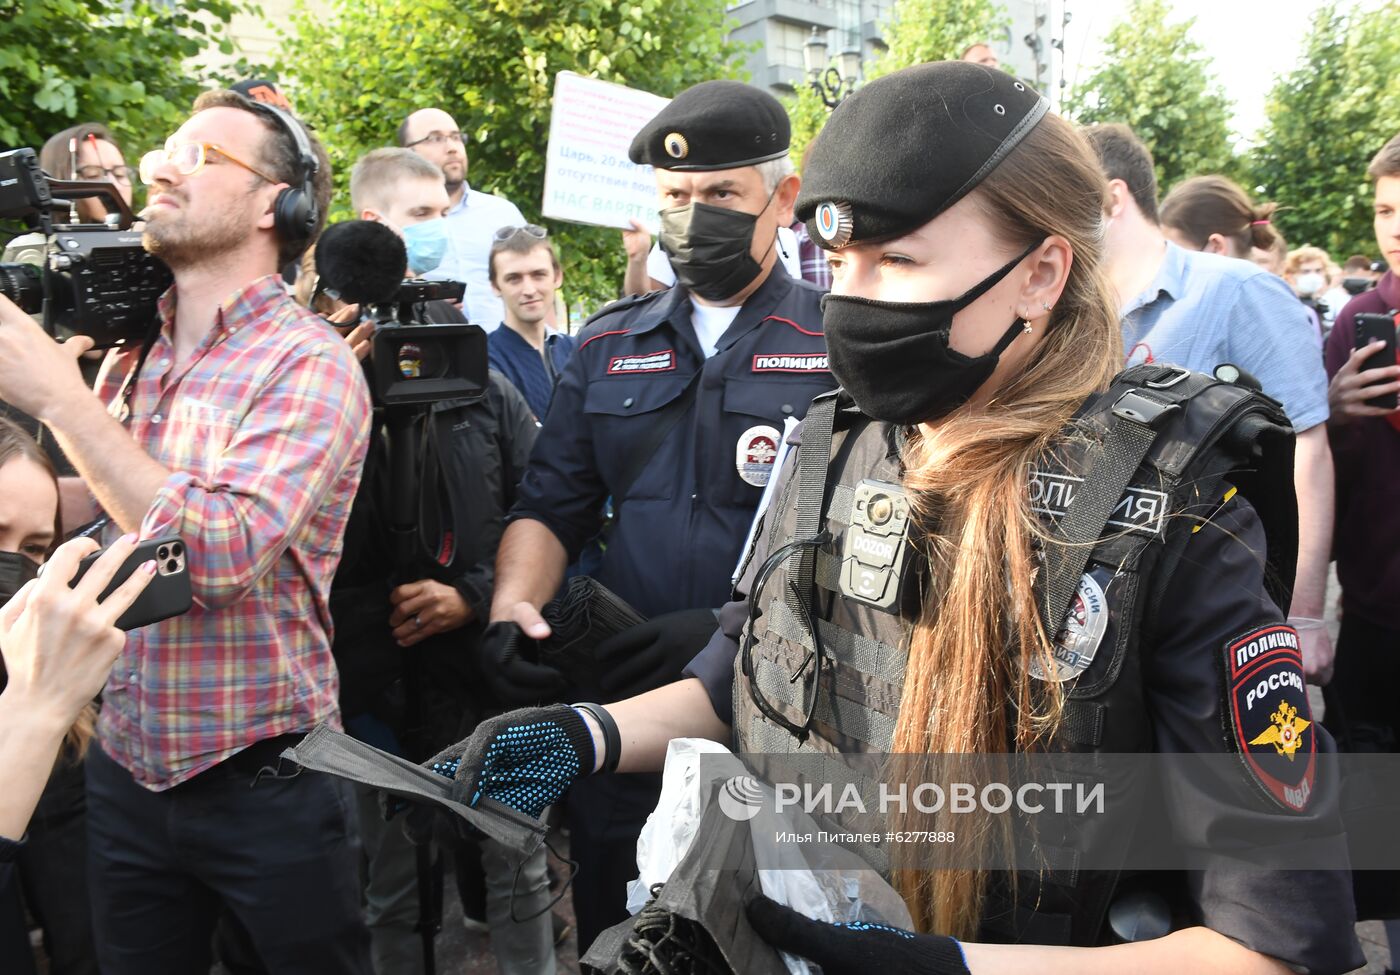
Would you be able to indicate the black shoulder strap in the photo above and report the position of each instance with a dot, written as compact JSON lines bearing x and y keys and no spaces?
{"x":644,"y":447}
{"x":1219,"y":430}
{"x":813,"y":460}
{"x":438,"y":521}
{"x":1134,"y":420}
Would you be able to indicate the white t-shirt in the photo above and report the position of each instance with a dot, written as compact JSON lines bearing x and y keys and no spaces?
{"x":659,"y":267}
{"x":710,"y":323}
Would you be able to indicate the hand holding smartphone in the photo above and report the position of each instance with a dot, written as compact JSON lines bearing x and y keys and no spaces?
{"x":1371,"y":328}
{"x":168,"y":594}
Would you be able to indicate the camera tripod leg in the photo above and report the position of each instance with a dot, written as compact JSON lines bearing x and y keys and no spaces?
{"x":429,"y":902}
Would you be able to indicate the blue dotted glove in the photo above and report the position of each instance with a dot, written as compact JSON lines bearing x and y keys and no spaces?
{"x":854,"y":948}
{"x":524,"y":759}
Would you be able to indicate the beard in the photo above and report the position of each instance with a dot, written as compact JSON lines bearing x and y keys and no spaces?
{"x":181,"y":239}
{"x":454,"y":174}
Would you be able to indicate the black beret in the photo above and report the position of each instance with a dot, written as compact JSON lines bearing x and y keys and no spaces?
{"x":714,"y":125}
{"x":906,"y":147}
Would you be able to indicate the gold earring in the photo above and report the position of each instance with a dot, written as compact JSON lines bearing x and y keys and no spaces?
{"x":1026,"y":327}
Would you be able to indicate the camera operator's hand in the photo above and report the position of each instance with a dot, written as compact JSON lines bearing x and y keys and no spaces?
{"x":37,"y":373}
{"x":426,"y":608}
{"x":524,"y":759}
{"x":59,"y":643}
{"x":359,"y":334}
{"x":1351,"y":387}
{"x":514,"y":679}
{"x":648,"y":655}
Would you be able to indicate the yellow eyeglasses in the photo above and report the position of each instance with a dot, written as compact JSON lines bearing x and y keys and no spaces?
{"x":188,"y":158}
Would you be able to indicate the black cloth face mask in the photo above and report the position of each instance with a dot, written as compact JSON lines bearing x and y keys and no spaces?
{"x":894,"y":358}
{"x":16,"y":569}
{"x":709,"y":248}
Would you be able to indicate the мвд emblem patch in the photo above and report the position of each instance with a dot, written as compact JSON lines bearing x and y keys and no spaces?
{"x":1268,"y":712}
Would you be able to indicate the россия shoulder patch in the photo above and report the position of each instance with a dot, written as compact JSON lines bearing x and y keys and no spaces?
{"x":1267,"y":709}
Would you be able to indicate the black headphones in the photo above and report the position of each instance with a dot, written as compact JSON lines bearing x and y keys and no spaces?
{"x":295,"y":212}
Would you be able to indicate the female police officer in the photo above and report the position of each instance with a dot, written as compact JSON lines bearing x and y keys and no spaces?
{"x":898,"y":596}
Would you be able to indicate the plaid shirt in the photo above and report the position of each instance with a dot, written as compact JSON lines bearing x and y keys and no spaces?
{"x":813,"y":259}
{"x":264,"y":430}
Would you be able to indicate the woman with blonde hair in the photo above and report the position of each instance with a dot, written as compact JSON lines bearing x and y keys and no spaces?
{"x":990,"y":544}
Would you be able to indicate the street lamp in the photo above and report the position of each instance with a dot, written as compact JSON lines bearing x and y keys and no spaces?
{"x":831,"y":82}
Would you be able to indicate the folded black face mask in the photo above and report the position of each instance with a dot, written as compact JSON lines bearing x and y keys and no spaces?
{"x":16,"y":569}
{"x":894,"y":358}
{"x":335,"y":753}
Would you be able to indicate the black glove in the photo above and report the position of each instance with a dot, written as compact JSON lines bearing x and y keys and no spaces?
{"x":514,"y":679}
{"x":654,"y":653}
{"x":855,"y":948}
{"x":524,"y":759}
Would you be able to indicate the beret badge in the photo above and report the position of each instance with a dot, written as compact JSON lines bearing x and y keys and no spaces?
{"x":676,"y":146}
{"x":835,"y":222}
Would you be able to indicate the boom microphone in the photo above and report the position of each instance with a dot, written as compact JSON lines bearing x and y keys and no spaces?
{"x":361,"y":261}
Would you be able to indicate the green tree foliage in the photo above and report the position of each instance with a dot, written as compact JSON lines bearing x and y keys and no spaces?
{"x":362,"y":66}
{"x":936,"y":30}
{"x":807,"y":113}
{"x":916,"y":31}
{"x":1324,"y":122}
{"x":125,"y":63}
{"x":1156,"y":79}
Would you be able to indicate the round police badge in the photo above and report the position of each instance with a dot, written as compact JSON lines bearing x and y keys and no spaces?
{"x":835,"y":223}
{"x":1078,"y":640}
{"x":676,"y":146}
{"x":755,"y":453}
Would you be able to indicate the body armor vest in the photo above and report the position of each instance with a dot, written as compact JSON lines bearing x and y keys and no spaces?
{"x":1156,"y":449}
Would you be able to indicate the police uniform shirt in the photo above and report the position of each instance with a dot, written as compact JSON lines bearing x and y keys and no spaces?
{"x":683,"y":521}
{"x":1306,"y":918}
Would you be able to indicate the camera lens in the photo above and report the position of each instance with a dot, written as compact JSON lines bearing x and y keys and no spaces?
{"x":172,"y":567}
{"x":176,"y":549}
{"x":21,"y":283}
{"x":881,"y":509}
{"x":163,"y":552}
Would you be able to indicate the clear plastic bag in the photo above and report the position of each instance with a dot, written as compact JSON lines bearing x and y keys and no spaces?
{"x":848,"y":892}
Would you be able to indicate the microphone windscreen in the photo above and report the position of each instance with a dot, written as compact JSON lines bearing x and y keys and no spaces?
{"x":362,"y":261}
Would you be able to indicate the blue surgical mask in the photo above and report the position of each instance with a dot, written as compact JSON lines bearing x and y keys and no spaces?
{"x":426,"y":243}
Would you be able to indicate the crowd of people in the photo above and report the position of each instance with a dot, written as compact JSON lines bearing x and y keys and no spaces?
{"x":954,"y":288}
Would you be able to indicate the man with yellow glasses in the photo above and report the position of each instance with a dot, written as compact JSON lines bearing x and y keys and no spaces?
{"x":239,"y":424}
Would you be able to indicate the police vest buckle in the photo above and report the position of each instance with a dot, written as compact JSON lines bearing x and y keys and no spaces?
{"x":1140,"y":408}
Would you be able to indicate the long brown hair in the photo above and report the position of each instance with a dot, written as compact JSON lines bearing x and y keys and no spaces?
{"x":14,"y":442}
{"x":1206,"y":205}
{"x":967,"y":687}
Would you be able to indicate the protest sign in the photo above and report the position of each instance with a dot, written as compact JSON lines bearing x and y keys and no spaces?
{"x":588,"y":177}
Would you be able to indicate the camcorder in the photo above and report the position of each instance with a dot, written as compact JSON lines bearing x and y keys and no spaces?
{"x":88,"y":279}
{"x":418,"y":363}
{"x":414,"y":363}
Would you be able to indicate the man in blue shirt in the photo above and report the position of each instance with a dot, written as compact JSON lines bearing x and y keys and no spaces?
{"x":1199,"y":310}
{"x":524,"y":271}
{"x":472,"y":218}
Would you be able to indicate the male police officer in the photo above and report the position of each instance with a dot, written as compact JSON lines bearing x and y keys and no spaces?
{"x":673,"y":406}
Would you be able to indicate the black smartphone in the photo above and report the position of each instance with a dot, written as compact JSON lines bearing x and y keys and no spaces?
{"x":1373,"y":328}
{"x":169,"y":592}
